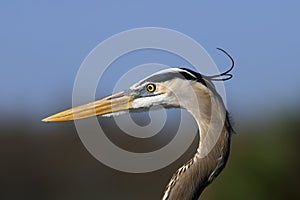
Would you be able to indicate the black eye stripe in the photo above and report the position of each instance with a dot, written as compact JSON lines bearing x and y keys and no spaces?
{"x":181,"y":73}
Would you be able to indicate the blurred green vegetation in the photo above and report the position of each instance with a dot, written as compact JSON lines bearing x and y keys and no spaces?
{"x":264,"y":163}
{"x":48,"y":161}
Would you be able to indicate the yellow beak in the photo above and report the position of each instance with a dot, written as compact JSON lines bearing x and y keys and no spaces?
{"x":106,"y":105}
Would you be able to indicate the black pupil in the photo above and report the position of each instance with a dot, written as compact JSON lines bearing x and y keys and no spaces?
{"x":150,"y":88}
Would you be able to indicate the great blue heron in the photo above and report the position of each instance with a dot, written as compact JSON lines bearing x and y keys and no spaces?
{"x":174,"y":88}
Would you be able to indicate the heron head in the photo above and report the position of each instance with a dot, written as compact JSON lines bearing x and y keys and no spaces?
{"x":168,"y":88}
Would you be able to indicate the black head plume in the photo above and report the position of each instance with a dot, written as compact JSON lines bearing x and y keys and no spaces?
{"x":225,"y":75}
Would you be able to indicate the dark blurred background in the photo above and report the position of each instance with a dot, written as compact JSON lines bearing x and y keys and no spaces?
{"x":43,"y":45}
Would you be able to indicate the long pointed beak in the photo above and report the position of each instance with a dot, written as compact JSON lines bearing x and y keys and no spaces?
{"x":107,"y":105}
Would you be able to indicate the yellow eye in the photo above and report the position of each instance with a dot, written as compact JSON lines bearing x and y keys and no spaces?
{"x":150,"y":87}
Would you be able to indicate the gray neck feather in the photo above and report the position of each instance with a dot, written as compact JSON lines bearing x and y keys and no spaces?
{"x":212,"y":153}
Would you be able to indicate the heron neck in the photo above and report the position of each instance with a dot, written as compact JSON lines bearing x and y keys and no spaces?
{"x":212,"y":153}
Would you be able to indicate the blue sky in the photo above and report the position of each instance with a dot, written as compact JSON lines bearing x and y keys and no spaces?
{"x":43,"y":44}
